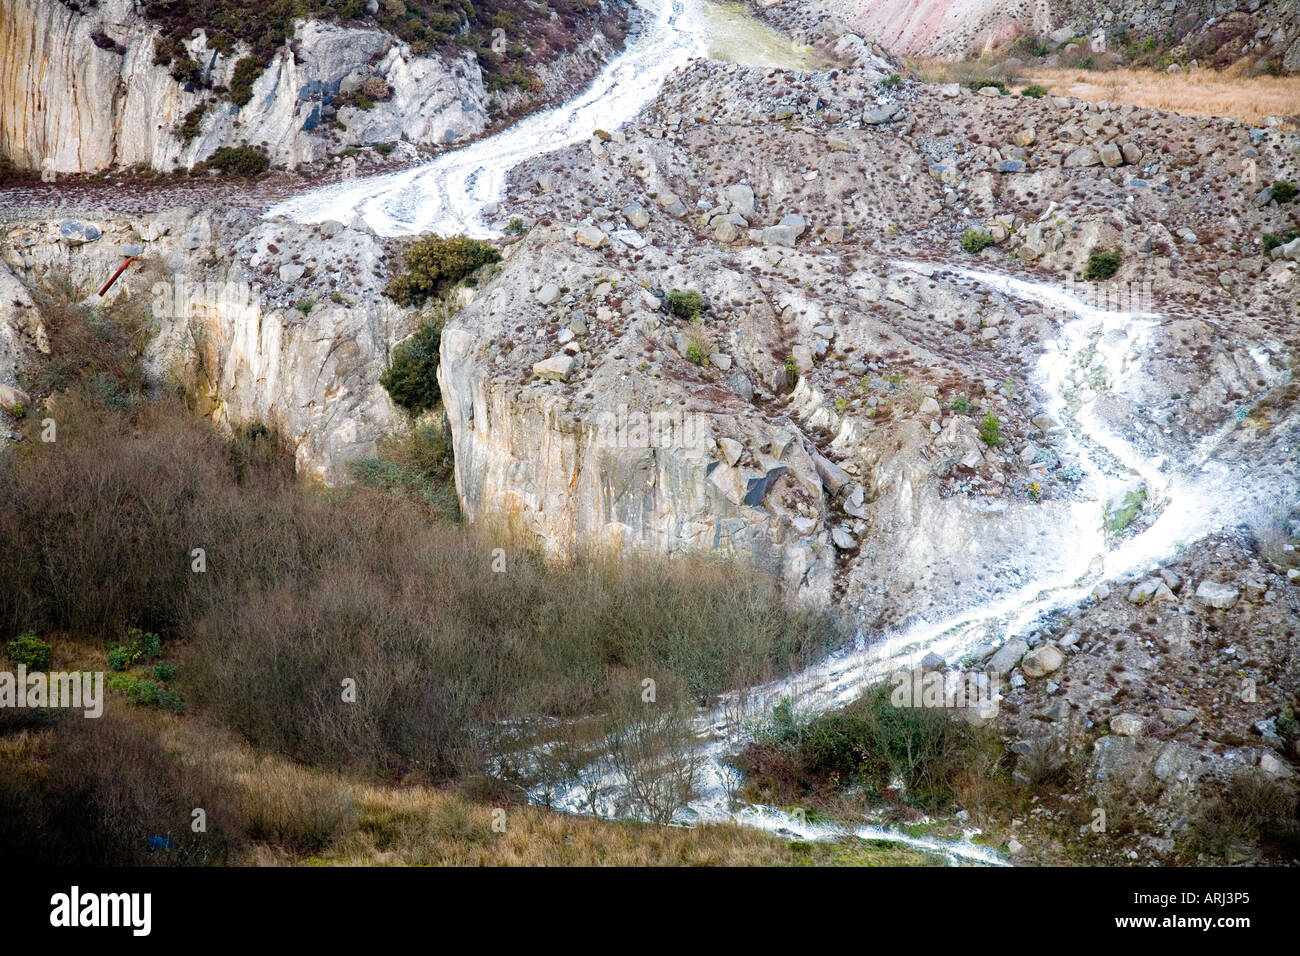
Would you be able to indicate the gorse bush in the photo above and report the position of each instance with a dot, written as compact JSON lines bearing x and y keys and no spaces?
{"x":873,"y":744}
{"x":975,"y":241}
{"x":238,"y":161}
{"x":411,"y":379}
{"x":683,"y":303}
{"x":30,"y":651}
{"x":246,"y":72}
{"x":1102,"y":264}
{"x":991,"y":430}
{"x":1271,"y":240}
{"x":434,"y":263}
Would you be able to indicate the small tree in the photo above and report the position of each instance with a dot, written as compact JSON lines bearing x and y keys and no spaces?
{"x":991,"y":430}
{"x":411,"y":379}
{"x":30,"y":651}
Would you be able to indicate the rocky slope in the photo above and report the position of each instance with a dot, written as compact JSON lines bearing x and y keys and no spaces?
{"x":789,"y":202}
{"x":959,"y":29}
{"x":81,"y":91}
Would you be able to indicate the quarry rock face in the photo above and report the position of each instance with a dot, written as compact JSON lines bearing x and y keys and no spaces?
{"x":68,"y":105}
{"x":230,"y":336}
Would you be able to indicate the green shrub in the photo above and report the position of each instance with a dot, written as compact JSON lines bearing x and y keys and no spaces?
{"x":1027,"y":46}
{"x":192,"y":123}
{"x":516,"y":227}
{"x":1034,"y":91}
{"x":30,"y":651}
{"x":1102,"y":265}
{"x":164,"y":672}
{"x":975,"y":241}
{"x":434,"y":263}
{"x":385,"y":149}
{"x":246,"y":72}
{"x":791,"y":369}
{"x":139,"y":646}
{"x":980,"y":84}
{"x":960,"y":404}
{"x":683,"y":303}
{"x":1283,"y":191}
{"x":364,"y":102}
{"x":238,"y":161}
{"x":411,"y":379}
{"x":119,"y":658}
{"x":892,"y":81}
{"x":305,"y":306}
{"x":871,"y":743}
{"x":991,"y":430}
{"x":1271,"y":240}
{"x":694,"y":355}
{"x":146,"y":693}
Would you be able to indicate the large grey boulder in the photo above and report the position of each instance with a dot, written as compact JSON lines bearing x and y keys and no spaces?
{"x":1216,"y":595}
{"x":1007,"y":657}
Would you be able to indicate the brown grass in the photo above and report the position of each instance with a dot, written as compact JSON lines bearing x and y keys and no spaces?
{"x":92,"y":792}
{"x":1199,"y":93}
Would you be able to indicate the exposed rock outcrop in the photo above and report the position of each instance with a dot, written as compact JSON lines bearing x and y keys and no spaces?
{"x":245,"y":345}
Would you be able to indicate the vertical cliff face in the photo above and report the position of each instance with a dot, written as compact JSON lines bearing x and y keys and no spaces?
{"x":81,"y":92}
{"x":68,"y":105}
{"x":226,"y":328}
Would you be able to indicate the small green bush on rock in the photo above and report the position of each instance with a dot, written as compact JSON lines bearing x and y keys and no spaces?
{"x":30,"y":651}
{"x":433,"y":263}
{"x":991,"y":430}
{"x":238,"y":161}
{"x":684,"y":303}
{"x":412,"y":379}
{"x":975,"y":241}
{"x":1102,"y":265}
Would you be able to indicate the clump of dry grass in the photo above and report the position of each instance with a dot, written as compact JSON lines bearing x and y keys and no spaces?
{"x":92,"y":792}
{"x":1197,"y":93}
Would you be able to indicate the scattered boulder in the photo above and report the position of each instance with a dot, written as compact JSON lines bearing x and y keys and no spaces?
{"x":12,"y":398}
{"x":636,"y":215}
{"x":1128,"y":725}
{"x":1042,"y":661}
{"x":1083,"y":156}
{"x":559,"y":368}
{"x":592,"y":236}
{"x":1216,"y":595}
{"x":1007,"y":656}
{"x":1110,"y":155}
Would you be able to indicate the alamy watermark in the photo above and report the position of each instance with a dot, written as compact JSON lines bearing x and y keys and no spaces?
{"x":662,"y":428}
{"x":76,"y":690}
{"x":949,"y":690}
